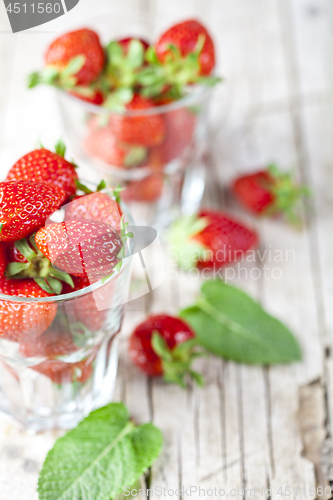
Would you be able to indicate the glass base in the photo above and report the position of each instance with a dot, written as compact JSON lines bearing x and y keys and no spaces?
{"x":38,"y":404}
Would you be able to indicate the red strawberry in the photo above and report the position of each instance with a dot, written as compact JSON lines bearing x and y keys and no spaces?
{"x":210,"y":239}
{"x":91,"y":96}
{"x":101,"y":143}
{"x":180,"y":125}
{"x":95,"y":206}
{"x":148,"y":189}
{"x":270,"y":192}
{"x":42,"y":165}
{"x":24,"y":320}
{"x":51,"y":344}
{"x":25,"y":205}
{"x":185,"y":37}
{"x":3,"y":259}
{"x":61,"y":373}
{"x":83,"y":42}
{"x":81,"y":248}
{"x":164,"y":345}
{"x":142,"y":130}
{"x":124,"y":43}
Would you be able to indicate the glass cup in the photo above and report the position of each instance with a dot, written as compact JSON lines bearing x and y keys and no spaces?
{"x":160,"y":180}
{"x":62,"y":362}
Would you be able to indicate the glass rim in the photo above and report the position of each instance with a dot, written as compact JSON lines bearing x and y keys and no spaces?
{"x":83,"y":291}
{"x":201,"y":92}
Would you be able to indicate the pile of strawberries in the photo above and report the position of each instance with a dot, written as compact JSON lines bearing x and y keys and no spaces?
{"x":40,"y":258}
{"x":130,"y":76}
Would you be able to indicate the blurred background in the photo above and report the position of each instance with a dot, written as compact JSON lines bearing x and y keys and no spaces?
{"x":275,"y":57}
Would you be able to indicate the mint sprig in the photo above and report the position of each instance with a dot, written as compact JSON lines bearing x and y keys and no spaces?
{"x":231,"y":324}
{"x":105,"y":454}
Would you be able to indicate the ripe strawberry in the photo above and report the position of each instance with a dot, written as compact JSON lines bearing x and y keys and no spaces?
{"x":101,"y":143}
{"x":51,"y":344}
{"x":65,"y":373}
{"x":180,"y":125}
{"x":270,"y":192}
{"x":185,"y":36}
{"x":147,"y":190}
{"x":83,"y":42}
{"x":81,"y":248}
{"x":20,"y":321}
{"x":210,"y":239}
{"x":3,"y":259}
{"x":95,"y":206}
{"x":164,"y":345}
{"x":25,"y":205}
{"x":142,"y":130}
{"x":125,"y":42}
{"x":42,"y":165}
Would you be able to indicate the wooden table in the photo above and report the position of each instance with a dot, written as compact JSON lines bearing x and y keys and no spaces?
{"x":250,"y":427}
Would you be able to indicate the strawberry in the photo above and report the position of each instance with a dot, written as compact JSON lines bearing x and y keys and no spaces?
{"x":20,"y":321}
{"x":74,"y":59}
{"x":95,"y":206}
{"x":81,"y":248}
{"x":210,"y":239}
{"x":185,"y":37}
{"x":61,"y":373}
{"x":180,"y":126}
{"x":50,"y":344}
{"x":3,"y":259}
{"x":41,"y":165}
{"x":101,"y":143}
{"x":270,"y":192}
{"x":143,"y":130}
{"x":25,"y":205}
{"x":164,"y":345}
{"x":147,"y":190}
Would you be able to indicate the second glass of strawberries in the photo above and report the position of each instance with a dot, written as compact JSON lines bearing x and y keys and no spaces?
{"x":134,"y":90}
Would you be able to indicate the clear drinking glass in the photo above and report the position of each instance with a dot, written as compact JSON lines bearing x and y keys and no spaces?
{"x":162,"y":181}
{"x":53,"y":389}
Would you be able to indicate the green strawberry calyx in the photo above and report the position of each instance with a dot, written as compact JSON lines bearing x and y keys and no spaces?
{"x":184,"y":247}
{"x":176,"y":362}
{"x":64,"y":78}
{"x":121,"y":68}
{"x":174,"y":73}
{"x":38,"y":268}
{"x":287,"y":195}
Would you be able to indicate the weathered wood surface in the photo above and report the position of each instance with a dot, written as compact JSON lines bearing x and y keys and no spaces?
{"x":249,"y":427}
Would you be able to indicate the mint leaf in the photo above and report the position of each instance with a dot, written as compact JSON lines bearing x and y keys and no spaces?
{"x":100,"y":458}
{"x":231,"y":324}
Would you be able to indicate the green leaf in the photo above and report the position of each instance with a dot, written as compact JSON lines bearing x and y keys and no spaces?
{"x":74,"y":66}
{"x":151,"y":56}
{"x":1,"y":226}
{"x":82,"y":187}
{"x":101,"y":185}
{"x":135,"y":54}
{"x":44,"y":285}
{"x":60,"y":148}
{"x":14,"y":268}
{"x":231,"y":324}
{"x":118,"y":99}
{"x":115,"y":53}
{"x":55,"y":284}
{"x":24,"y":248}
{"x":100,"y":458}
{"x":62,"y":276}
